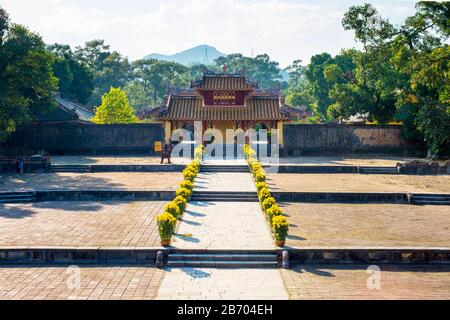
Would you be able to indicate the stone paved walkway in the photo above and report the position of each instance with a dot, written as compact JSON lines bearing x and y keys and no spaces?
{"x":224,"y":181}
{"x":222,"y":284}
{"x":223,"y":225}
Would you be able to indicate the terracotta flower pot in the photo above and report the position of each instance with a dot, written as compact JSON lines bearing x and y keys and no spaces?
{"x":165,"y":243}
{"x":280,"y":243}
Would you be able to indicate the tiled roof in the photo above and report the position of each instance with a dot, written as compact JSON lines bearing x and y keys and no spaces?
{"x":191,"y":108}
{"x":65,"y":111}
{"x":223,"y":82}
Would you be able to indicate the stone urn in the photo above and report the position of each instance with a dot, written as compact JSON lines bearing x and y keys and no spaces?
{"x":165,"y":242}
{"x":280,"y":243}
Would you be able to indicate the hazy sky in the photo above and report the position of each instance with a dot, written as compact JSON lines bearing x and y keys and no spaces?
{"x":285,"y":29}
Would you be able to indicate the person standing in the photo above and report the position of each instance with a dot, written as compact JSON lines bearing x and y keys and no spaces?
{"x":20,"y":164}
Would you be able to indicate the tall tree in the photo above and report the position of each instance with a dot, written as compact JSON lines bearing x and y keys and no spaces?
{"x":320,"y":86}
{"x":402,"y":72}
{"x":114,"y":109}
{"x":75,"y":78}
{"x":260,"y":68}
{"x":27,"y":82}
{"x":109,"y":69}
{"x":155,"y":77}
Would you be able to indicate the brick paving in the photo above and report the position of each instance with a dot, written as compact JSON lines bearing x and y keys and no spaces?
{"x":367,"y":225}
{"x":350,"y":282}
{"x":359,"y":183}
{"x":26,"y":282}
{"x":91,"y":181}
{"x":222,"y":284}
{"x":73,"y":223}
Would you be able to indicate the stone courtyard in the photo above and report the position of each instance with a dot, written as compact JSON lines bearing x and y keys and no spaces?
{"x":220,"y":225}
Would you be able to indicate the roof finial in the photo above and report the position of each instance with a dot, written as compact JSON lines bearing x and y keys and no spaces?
{"x":225,"y":68}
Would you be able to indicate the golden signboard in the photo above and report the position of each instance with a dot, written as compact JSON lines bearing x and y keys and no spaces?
{"x":158,"y":146}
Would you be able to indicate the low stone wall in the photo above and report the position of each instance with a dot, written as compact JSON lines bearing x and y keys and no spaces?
{"x":369,"y":255}
{"x":305,"y":139}
{"x":79,"y":138}
{"x":342,"y":197}
{"x":89,"y":195}
{"x":138,"y":168}
{"x":64,"y":255}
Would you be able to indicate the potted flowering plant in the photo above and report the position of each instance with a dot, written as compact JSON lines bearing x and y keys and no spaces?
{"x":183,"y":192}
{"x":263,"y":194}
{"x":187,"y":184}
{"x":166,"y":226}
{"x":272,"y":212}
{"x":189,"y":174}
{"x":173,"y":209}
{"x":261,"y":185}
{"x":181,"y":203}
{"x":280,"y":228}
{"x":268,"y":203}
{"x":260,"y":176}
{"x":255,"y":166}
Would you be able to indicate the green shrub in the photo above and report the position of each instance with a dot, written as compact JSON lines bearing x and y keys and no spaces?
{"x":166,"y":225}
{"x":280,"y":227}
{"x":268,"y":202}
{"x":173,"y":209}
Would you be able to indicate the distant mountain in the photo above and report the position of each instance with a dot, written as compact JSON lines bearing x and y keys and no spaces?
{"x":198,"y":54}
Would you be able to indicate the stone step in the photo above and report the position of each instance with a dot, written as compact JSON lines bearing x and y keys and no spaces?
{"x":70,"y":168}
{"x":444,"y":198}
{"x":235,"y":195}
{"x":18,"y":200}
{"x":222,"y":257}
{"x":225,"y":169}
{"x":17,"y":197}
{"x":379,"y":170}
{"x":432,"y":202}
{"x":16,"y":193}
{"x":222,"y":264}
{"x":215,"y":199}
{"x":432,"y":199}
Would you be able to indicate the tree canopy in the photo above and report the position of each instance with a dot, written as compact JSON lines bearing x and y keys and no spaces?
{"x":115,"y":108}
{"x":26,"y":78}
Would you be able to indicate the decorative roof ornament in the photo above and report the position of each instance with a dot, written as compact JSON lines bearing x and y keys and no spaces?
{"x":225,"y":68}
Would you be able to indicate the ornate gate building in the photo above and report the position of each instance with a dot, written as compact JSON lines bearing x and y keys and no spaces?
{"x":225,"y":101}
